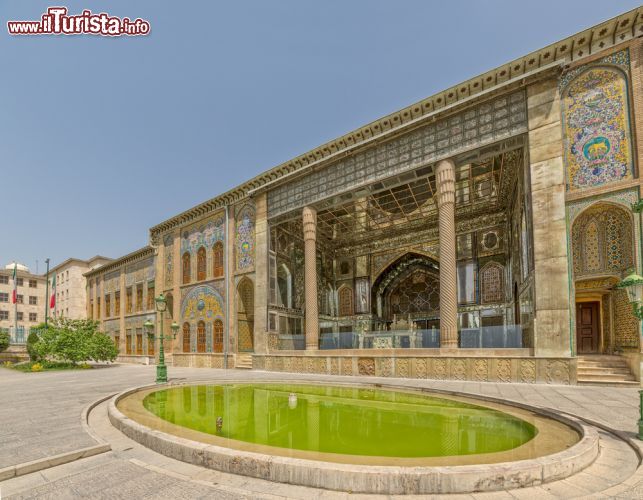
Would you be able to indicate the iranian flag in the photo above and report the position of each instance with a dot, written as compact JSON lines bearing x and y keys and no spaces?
{"x":52,"y":300}
{"x":14,"y":295}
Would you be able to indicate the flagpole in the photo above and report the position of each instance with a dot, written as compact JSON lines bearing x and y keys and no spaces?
{"x":15,"y":300}
{"x":47,"y":293}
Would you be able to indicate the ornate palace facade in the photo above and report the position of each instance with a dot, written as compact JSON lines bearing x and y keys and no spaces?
{"x":477,"y":234}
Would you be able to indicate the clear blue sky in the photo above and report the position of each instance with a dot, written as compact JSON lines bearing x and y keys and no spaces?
{"x":101,"y":138}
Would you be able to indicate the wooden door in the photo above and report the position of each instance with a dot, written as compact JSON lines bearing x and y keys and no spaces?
{"x":587,"y":332}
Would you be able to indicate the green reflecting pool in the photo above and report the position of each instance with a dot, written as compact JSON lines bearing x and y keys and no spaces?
{"x":345,"y":420}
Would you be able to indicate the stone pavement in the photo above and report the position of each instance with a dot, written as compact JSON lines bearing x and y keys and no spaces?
{"x":40,"y":413}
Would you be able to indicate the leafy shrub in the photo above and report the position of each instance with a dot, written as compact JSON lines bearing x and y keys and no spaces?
{"x":4,"y":341}
{"x":75,"y":341}
{"x":36,"y":367}
{"x":7,"y":364}
{"x":32,"y":341}
{"x":85,"y":366}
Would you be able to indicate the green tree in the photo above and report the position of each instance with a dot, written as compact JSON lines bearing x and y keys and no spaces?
{"x":4,"y":341}
{"x":74,"y":341}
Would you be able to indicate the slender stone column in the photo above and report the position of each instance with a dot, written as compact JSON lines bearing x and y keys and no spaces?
{"x":445,"y":180}
{"x":310,"y":275}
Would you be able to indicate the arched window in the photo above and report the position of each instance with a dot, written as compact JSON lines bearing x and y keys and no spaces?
{"x":200,"y":264}
{"x":186,"y":337}
{"x":345,"y":301}
{"x":186,"y":268}
{"x":492,"y":283}
{"x":200,"y":337}
{"x":602,"y":241}
{"x":217,"y":259}
{"x":217,"y":340}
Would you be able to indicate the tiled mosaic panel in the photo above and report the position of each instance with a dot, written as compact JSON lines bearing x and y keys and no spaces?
{"x":245,"y":239}
{"x":484,"y":124}
{"x":602,"y":241}
{"x":597,"y":123}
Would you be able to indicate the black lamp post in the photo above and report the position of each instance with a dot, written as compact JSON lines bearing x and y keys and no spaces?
{"x":161,"y":369}
{"x":633,"y":285}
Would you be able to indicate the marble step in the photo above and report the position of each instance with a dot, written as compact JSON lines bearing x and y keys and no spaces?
{"x":610,"y":383}
{"x":596,"y":370}
{"x":606,"y":376}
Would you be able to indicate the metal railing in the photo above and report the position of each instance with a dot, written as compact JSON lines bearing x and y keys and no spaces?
{"x":21,"y":334}
{"x":486,"y":337}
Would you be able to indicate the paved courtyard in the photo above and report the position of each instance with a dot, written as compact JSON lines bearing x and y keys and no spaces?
{"x":41,"y":417}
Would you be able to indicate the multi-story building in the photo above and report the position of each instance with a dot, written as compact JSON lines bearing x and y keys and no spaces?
{"x":71,"y":286}
{"x":120,"y":294}
{"x":31,"y":300}
{"x":477,"y":234}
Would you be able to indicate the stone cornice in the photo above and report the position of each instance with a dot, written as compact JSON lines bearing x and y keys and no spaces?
{"x":571,"y":49}
{"x":141,"y":253}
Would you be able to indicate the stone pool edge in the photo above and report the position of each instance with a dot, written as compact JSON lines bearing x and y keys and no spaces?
{"x":374,"y":479}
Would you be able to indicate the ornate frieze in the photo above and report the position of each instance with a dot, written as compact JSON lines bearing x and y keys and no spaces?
{"x":481,"y":125}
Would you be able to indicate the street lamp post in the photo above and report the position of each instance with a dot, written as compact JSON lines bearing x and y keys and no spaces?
{"x":161,"y":369}
{"x":633,"y":285}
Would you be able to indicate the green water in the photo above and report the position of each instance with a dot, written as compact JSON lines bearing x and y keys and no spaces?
{"x":343,"y":420}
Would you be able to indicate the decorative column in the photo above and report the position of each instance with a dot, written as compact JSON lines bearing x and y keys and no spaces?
{"x":310,"y":276}
{"x":445,"y":180}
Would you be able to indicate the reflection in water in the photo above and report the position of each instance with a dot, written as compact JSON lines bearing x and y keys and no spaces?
{"x":341,"y":419}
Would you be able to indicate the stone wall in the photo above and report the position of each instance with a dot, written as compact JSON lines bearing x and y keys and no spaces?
{"x":201,"y":360}
{"x":527,"y":370}
{"x":552,"y":326}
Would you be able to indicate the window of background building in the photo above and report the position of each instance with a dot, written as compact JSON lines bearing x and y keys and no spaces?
{"x":108,"y":304}
{"x":33,"y":317}
{"x":117,"y":304}
{"x":98,"y":316}
{"x":150,"y":296}
{"x":139,"y":298}
{"x":201,"y":266}
{"x":20,"y":316}
{"x":33,"y":284}
{"x":20,"y":281}
{"x":20,"y":299}
{"x":4,"y":315}
{"x":91,"y":309}
{"x":33,"y":301}
{"x":128,"y":301}
{"x":4,"y":280}
{"x":4,"y":297}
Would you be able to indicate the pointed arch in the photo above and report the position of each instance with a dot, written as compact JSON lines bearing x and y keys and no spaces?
{"x":602,"y":240}
{"x":409,"y":285}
